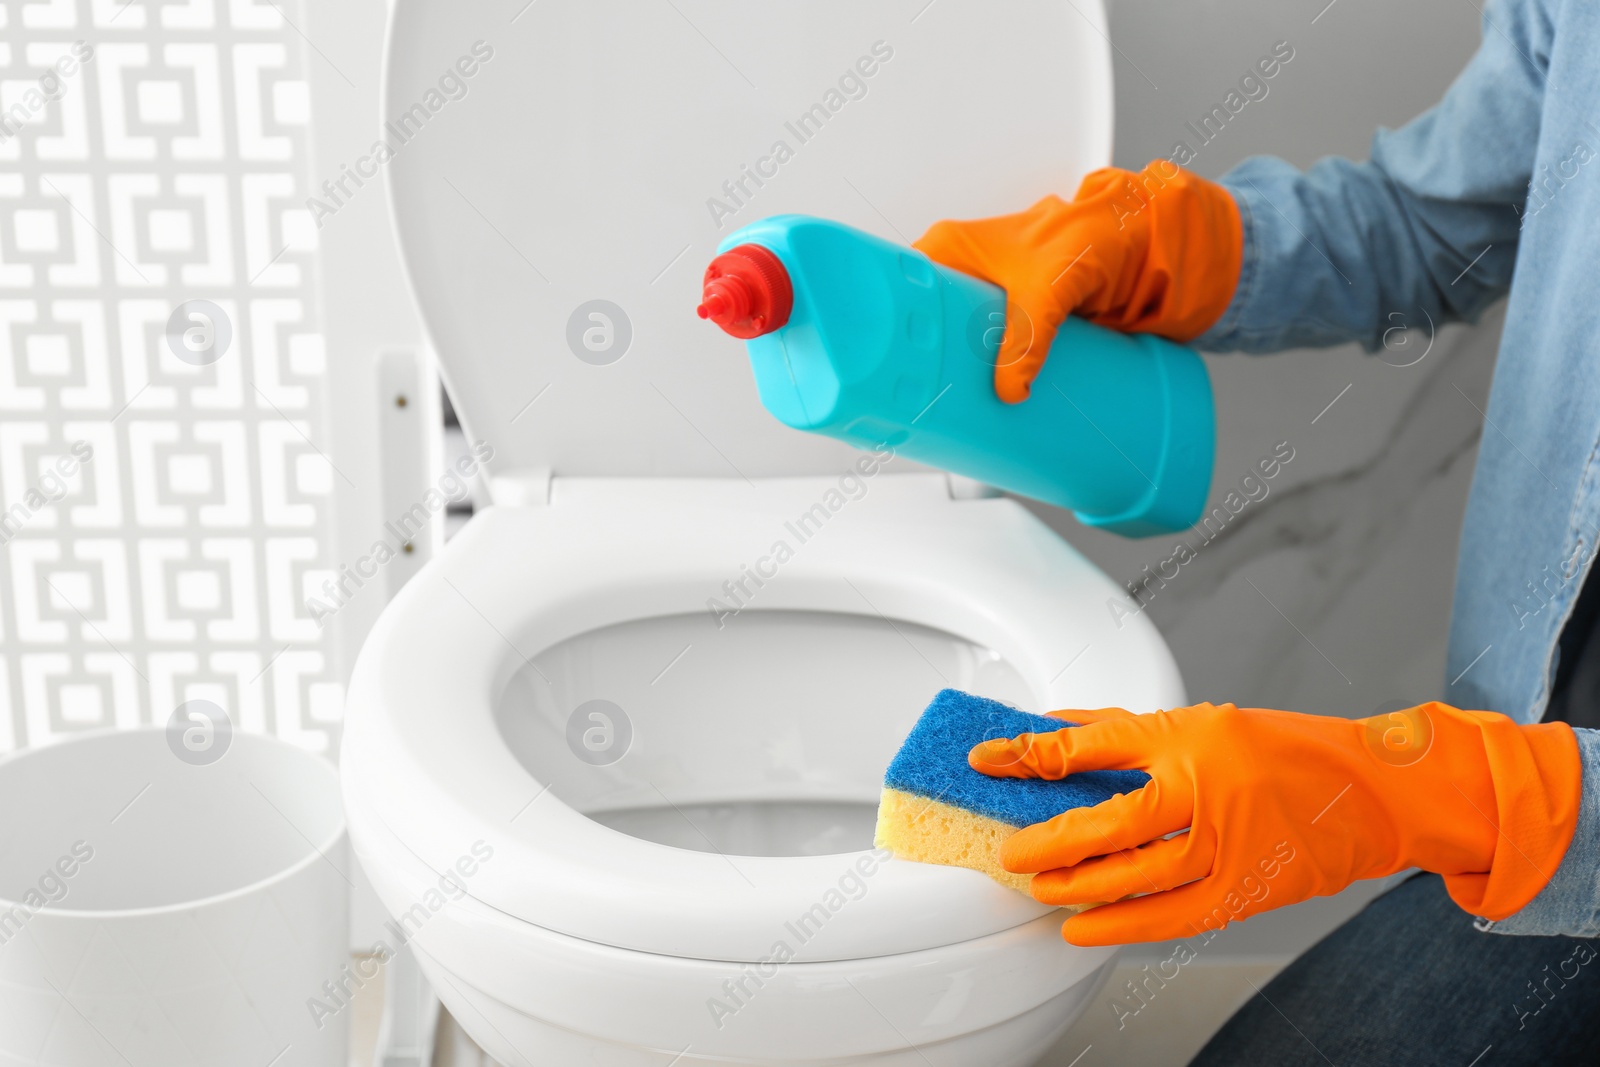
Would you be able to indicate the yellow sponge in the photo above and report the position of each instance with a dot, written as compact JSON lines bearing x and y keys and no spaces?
{"x":929,"y":831}
{"x":936,"y":809}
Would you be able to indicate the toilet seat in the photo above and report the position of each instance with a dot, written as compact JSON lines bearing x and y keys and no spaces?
{"x":424,"y":751}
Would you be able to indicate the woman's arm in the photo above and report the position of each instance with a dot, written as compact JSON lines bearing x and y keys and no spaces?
{"x":1427,"y":228}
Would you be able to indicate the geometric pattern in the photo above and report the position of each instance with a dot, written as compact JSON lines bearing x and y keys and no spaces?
{"x":163,"y":520}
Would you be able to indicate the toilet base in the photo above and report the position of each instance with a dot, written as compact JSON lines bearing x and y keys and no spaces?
{"x":517,"y":1039}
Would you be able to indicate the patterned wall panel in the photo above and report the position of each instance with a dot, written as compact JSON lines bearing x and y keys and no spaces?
{"x":166,"y":502}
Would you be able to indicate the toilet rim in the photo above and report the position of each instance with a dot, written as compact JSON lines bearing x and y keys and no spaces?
{"x":446,"y":782}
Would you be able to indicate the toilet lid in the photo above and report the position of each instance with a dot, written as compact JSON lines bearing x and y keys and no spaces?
{"x":561,"y":173}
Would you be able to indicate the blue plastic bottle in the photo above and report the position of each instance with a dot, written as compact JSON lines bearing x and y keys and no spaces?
{"x":873,"y":343}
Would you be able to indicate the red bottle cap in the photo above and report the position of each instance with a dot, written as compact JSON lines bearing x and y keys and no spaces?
{"x":747,"y":292}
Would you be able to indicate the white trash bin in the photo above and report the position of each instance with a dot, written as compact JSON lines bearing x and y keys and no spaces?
{"x":172,"y":898}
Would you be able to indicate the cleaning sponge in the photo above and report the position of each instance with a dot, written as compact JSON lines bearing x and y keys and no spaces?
{"x":936,"y":809}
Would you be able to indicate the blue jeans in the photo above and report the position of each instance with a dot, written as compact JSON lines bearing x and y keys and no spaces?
{"x":1409,"y":981}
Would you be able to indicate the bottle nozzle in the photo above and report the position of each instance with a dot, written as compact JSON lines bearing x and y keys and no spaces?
{"x":727,"y":299}
{"x":747,"y":292}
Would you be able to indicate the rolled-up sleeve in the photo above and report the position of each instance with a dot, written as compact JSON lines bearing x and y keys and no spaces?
{"x":1569,"y":904}
{"x":1425,"y":231}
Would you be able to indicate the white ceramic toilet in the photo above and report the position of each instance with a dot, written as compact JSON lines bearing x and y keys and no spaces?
{"x":612,"y":758}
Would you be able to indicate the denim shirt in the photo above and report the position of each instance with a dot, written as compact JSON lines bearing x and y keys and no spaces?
{"x":1496,"y":189}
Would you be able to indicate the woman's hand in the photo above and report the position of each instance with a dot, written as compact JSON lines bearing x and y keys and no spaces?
{"x":1249,"y":809}
{"x":1157,"y":251}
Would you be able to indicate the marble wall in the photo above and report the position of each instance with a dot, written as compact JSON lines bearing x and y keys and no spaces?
{"x":1332,"y":593}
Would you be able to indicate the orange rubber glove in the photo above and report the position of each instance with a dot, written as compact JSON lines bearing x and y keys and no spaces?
{"x":1157,"y":251}
{"x":1280,"y":807}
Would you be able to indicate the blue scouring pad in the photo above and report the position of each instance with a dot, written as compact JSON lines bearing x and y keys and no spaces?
{"x":935,"y":808}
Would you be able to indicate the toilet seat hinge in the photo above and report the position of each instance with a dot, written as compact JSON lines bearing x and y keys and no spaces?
{"x":521,"y":487}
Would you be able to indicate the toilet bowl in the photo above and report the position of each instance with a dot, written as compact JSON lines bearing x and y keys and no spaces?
{"x":707,"y":884}
{"x":611,"y":758}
